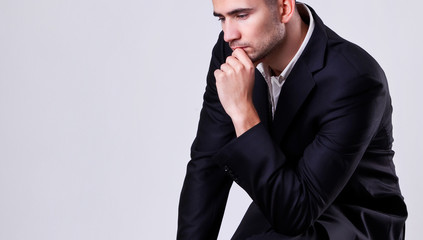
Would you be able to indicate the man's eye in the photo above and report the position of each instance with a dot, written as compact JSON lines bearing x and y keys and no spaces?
{"x":221,"y":19}
{"x":242,"y":16}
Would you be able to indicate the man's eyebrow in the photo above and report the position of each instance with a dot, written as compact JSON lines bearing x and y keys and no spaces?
{"x":233,"y":12}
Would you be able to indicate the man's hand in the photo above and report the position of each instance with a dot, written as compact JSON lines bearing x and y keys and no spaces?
{"x":234,"y":83}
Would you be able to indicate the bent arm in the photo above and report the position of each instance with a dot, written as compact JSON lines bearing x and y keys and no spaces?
{"x":293,"y":193}
{"x":206,"y":187}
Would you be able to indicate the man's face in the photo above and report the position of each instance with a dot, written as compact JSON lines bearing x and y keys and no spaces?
{"x":251,"y":25}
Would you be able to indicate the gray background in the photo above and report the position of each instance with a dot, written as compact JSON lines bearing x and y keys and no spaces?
{"x":99,"y":103}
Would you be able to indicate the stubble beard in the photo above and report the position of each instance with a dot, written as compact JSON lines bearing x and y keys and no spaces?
{"x":268,"y":45}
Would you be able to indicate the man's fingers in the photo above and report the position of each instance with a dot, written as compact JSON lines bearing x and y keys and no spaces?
{"x":234,"y":63}
{"x":217,"y":73}
{"x":226,"y":68}
{"x":242,"y":56}
{"x":237,"y":64}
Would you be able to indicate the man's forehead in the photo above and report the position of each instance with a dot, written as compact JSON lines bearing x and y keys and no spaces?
{"x":226,"y":6}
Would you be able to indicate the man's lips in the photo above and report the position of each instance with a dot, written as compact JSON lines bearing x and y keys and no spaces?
{"x":241,"y":47}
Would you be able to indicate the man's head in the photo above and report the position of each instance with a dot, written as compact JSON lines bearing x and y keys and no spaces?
{"x":256,"y":26}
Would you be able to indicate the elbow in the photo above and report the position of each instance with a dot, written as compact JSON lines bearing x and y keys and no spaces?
{"x":295,"y":221}
{"x":293,"y":229}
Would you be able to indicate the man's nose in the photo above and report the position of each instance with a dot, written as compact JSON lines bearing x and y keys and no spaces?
{"x":230,"y":32}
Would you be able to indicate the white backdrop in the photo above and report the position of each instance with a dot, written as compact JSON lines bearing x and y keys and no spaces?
{"x":99,"y":104}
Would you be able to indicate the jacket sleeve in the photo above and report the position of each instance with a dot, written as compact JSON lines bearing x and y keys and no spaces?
{"x":293,"y":193}
{"x":206,"y":187}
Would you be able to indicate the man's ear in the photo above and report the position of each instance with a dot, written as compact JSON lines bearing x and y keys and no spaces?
{"x":286,"y":10}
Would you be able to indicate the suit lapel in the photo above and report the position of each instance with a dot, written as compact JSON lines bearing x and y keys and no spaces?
{"x":293,"y":94}
{"x":300,"y":82}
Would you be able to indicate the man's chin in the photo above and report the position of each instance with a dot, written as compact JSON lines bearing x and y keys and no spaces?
{"x":257,"y":62}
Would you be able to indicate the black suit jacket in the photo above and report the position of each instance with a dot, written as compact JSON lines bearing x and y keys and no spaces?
{"x":322,"y":169}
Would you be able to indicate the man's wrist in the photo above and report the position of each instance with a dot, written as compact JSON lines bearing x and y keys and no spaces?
{"x":244,"y":122}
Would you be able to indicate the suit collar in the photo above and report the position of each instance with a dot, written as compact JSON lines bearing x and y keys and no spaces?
{"x":314,"y":53}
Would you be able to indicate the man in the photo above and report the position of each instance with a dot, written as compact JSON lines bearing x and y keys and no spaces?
{"x":307,"y":134}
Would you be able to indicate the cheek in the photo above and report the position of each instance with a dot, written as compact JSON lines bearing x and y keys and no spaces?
{"x":255,"y":33}
{"x":263,"y":29}
{"x":253,"y":28}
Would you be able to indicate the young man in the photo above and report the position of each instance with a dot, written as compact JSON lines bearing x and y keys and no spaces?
{"x":299,"y":118}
